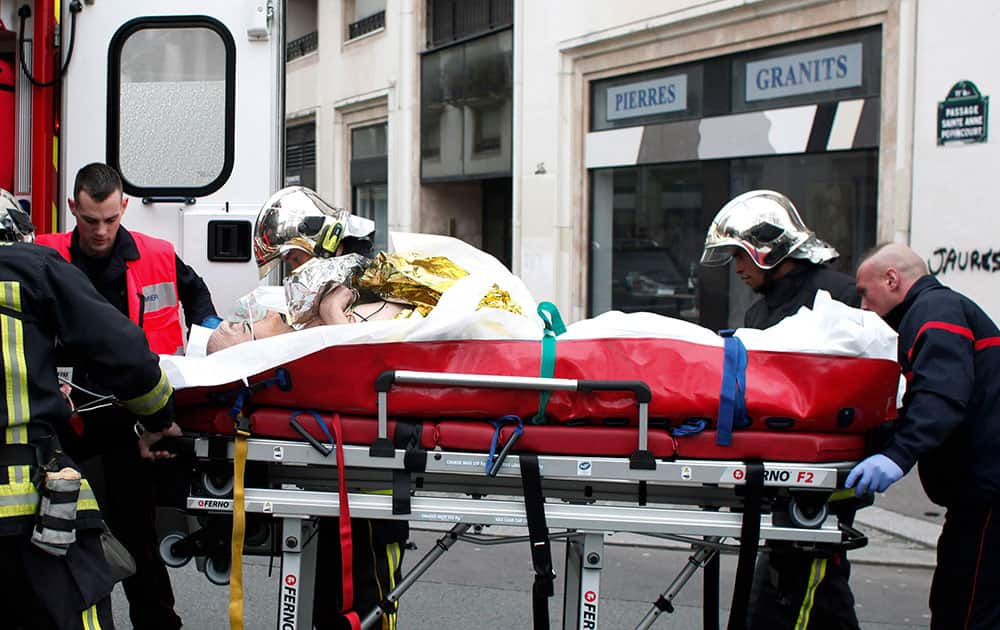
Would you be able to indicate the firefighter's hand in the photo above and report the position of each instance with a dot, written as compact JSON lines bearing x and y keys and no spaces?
{"x":148,"y":440}
{"x":874,"y":474}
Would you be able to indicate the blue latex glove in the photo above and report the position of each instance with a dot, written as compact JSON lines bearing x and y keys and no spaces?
{"x":874,"y":474}
{"x":211,"y":322}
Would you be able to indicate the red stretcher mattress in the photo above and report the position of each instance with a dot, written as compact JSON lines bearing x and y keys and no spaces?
{"x":808,"y":393}
{"x":590,"y":440}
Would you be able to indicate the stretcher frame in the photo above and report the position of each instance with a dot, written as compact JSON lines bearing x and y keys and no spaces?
{"x":681,"y":499}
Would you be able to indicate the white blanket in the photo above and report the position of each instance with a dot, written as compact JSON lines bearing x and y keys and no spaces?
{"x":829,"y":328}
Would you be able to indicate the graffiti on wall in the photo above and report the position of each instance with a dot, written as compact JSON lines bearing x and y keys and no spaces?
{"x":949,"y":259}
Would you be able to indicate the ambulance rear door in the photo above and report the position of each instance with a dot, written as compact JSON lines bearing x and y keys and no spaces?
{"x":185,"y":99}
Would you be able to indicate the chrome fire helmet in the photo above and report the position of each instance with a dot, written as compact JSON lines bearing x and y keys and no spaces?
{"x":15,"y":223}
{"x":297,"y":218}
{"x":765,"y":225}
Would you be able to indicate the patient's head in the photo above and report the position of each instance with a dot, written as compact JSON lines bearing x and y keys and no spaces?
{"x":231,"y":333}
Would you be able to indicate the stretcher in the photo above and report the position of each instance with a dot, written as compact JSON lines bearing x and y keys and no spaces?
{"x":631,"y":439}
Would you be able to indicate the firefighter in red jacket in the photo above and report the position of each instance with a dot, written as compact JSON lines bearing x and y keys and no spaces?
{"x":54,"y":571}
{"x":949,"y":352}
{"x":144,"y":279}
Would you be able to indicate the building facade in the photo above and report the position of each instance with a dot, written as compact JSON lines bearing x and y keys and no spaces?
{"x":589,"y":144}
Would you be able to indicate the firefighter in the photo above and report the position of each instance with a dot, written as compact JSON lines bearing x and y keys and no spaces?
{"x":294,"y":225}
{"x":949,"y":352}
{"x":55,"y":575}
{"x":777,"y":256}
{"x":144,"y":279}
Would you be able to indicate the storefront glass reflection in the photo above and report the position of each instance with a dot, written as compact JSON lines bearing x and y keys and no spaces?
{"x":648,"y":227}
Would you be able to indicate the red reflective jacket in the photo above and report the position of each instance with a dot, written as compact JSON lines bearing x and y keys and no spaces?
{"x":151,"y":286}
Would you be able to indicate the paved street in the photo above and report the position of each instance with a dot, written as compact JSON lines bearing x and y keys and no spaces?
{"x":477,"y":586}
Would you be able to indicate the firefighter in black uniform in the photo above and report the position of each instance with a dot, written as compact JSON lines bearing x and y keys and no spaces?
{"x":776,"y":255}
{"x":949,"y":352}
{"x":55,"y":574}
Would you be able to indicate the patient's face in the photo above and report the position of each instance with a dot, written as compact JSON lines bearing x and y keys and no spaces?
{"x":296,"y":258}
{"x":231,"y":333}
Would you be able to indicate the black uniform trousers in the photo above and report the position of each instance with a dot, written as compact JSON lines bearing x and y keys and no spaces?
{"x":39,"y":591}
{"x":377,"y":546}
{"x":128,"y":504}
{"x":790,"y":585}
{"x":965,"y":591}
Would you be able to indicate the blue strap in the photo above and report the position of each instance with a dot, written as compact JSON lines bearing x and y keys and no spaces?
{"x":690,"y":426}
{"x":732,"y":397}
{"x":319,"y":422}
{"x":554,"y":327}
{"x":497,"y":425}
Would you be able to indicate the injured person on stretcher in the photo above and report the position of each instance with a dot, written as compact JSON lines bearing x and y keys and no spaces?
{"x":331,"y":279}
{"x":349,"y":289}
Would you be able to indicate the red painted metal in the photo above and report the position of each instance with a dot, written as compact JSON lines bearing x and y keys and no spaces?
{"x":44,"y":117}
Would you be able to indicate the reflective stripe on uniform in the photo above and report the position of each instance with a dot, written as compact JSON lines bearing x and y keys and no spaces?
{"x":816,"y":574}
{"x":18,"y":499}
{"x":15,"y":367}
{"x":157,"y":296}
{"x":87,"y":500}
{"x":153,"y":400}
{"x":91,"y":621}
{"x":392,"y":553}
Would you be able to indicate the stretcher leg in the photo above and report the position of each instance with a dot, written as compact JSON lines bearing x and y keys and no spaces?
{"x":702,"y":556}
{"x":298,"y":571}
{"x":582,"y":585}
{"x":442,"y":545}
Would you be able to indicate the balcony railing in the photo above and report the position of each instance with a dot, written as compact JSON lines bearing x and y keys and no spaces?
{"x":365,"y":25}
{"x":301,"y":46}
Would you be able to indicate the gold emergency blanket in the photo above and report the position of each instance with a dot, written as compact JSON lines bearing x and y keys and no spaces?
{"x":420,"y":280}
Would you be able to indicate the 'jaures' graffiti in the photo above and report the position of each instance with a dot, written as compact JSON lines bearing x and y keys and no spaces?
{"x":945,"y":259}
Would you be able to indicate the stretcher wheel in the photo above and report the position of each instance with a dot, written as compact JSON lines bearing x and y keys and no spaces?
{"x":216,"y":488}
{"x":217,"y":570}
{"x":171,"y":559}
{"x":805,"y":516}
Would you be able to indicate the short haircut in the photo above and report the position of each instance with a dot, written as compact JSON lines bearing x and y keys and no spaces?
{"x":873,"y":251}
{"x":98,"y":180}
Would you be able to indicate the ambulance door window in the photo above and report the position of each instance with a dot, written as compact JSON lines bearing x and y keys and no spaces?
{"x":171,"y":90}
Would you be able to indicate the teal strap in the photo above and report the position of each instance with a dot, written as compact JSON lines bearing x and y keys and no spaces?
{"x":554,"y":327}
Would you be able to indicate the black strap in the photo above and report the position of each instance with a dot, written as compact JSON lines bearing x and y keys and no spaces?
{"x":24,"y":317}
{"x":401,"y":482}
{"x":18,"y":455}
{"x":538,"y":533}
{"x":749,"y":539}
{"x":710,"y":594}
{"x":407,"y":436}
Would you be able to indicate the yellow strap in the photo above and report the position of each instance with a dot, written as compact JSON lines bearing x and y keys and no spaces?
{"x":239,"y":529}
{"x":816,"y":574}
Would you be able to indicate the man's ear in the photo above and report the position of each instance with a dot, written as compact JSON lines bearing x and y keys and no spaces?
{"x":72,"y":205}
{"x":892,"y":278}
{"x":124,"y":203}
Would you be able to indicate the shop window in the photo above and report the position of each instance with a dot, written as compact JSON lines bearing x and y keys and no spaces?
{"x":300,"y":155}
{"x":171,"y":95}
{"x":648,"y":227}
